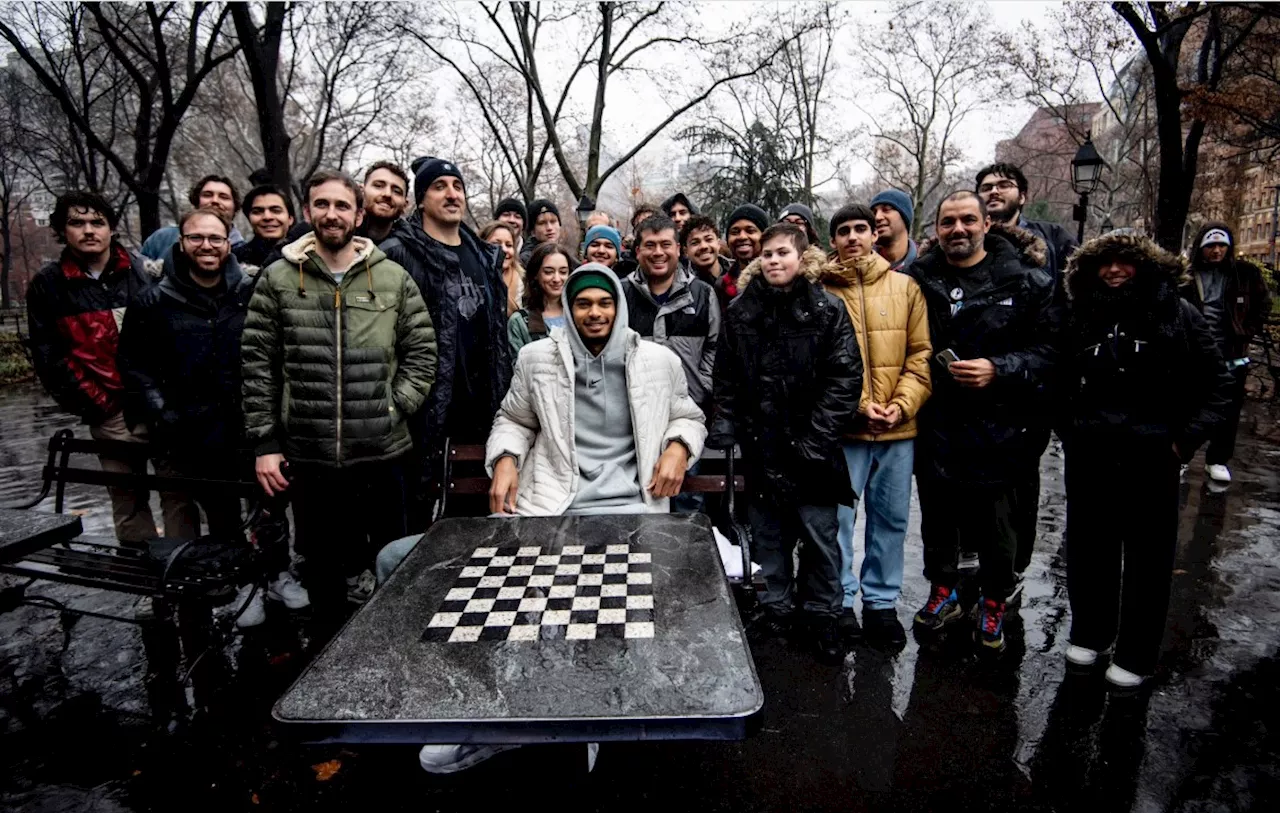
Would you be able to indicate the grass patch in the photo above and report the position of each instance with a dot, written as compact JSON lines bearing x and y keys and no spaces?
{"x":14,"y":364}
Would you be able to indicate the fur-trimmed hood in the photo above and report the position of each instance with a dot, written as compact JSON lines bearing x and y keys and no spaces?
{"x":1031,"y":248}
{"x":1150,"y":261}
{"x":812,"y":263}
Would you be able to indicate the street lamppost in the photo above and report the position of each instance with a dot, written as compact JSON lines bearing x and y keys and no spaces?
{"x":1086,"y":171}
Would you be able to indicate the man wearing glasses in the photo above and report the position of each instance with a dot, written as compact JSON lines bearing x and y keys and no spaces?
{"x":1002,"y":188}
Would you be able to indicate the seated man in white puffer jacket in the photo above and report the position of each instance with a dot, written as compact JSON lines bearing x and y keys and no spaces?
{"x":597,"y":420}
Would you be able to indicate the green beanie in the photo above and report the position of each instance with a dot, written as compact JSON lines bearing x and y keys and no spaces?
{"x":590,"y":279}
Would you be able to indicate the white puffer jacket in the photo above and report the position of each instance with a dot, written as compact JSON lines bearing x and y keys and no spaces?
{"x":535,"y":422}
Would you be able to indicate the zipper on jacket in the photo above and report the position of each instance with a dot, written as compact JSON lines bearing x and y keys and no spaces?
{"x":867,"y":369}
{"x":337,"y":332}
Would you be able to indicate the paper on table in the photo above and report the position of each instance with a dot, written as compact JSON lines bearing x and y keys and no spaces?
{"x":731,"y":556}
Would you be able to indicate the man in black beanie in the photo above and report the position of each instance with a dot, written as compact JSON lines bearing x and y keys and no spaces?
{"x":512,"y":212}
{"x":742,"y":232}
{"x":460,"y":276}
{"x":802,"y":216}
{"x":543,"y":225}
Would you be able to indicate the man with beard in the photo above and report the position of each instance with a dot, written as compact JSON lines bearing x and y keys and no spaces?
{"x":338,"y":351}
{"x":700,"y":242}
{"x":460,"y":277}
{"x":75,"y":306}
{"x":745,"y":225}
{"x":386,"y":197}
{"x":669,"y":306}
{"x":1235,"y":302}
{"x":180,"y":356}
{"x":1003,"y":190}
{"x":544,"y":227}
{"x":270,"y":213}
{"x":993,"y":323}
{"x":210,"y":192}
{"x":894,"y":213}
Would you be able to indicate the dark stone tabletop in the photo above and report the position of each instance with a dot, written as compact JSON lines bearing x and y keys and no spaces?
{"x":535,"y":629}
{"x":23,"y":531}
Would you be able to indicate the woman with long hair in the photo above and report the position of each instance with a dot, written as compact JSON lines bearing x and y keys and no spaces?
{"x":500,"y":234}
{"x":544,"y":281}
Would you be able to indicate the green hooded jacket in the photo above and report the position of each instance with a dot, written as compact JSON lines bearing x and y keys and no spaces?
{"x":333,"y":369}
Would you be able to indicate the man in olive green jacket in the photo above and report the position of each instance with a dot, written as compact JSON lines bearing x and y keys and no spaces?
{"x":338,"y":351}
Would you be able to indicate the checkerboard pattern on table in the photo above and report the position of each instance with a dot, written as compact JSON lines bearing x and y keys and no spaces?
{"x":583,"y":592}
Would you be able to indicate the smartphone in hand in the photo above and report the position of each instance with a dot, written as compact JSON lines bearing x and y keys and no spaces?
{"x":947,"y":357}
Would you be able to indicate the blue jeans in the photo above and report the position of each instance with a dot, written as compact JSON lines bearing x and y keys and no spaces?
{"x":881,"y":475}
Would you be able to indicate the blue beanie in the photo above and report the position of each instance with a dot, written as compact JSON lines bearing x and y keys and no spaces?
{"x":899,"y":200}
{"x":601,"y":230}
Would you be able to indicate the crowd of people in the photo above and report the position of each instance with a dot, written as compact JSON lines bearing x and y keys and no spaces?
{"x":333,"y":355}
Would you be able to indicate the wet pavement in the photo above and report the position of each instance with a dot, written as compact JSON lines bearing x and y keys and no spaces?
{"x":929,"y":728}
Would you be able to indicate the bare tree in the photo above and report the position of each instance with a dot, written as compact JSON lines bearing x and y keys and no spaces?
{"x":1163,"y":30}
{"x":504,"y":52}
{"x":163,"y":51}
{"x":933,"y":65}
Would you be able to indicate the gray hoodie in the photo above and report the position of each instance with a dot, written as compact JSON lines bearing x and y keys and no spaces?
{"x":603,"y":433}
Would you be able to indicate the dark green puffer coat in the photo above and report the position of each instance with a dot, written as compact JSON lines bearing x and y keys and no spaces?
{"x":332,"y":370}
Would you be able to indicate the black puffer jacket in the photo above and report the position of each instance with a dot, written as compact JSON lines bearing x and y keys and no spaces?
{"x":180,"y":357}
{"x":438,"y":276}
{"x":1139,"y":365}
{"x":981,"y":436}
{"x":787,"y":379}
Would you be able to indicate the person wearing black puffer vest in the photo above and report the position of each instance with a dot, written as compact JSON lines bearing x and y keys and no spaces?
{"x":1142,"y":387}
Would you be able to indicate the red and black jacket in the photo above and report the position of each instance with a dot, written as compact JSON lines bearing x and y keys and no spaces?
{"x":75,"y":321}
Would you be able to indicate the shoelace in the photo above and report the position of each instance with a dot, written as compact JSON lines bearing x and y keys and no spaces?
{"x":938,"y":598}
{"x":991,"y":616}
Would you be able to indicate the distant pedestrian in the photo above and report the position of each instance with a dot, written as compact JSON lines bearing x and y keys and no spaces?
{"x":75,"y":306}
{"x":1235,"y":301}
{"x":1144,"y":386}
{"x":787,"y":379}
{"x":544,"y":280}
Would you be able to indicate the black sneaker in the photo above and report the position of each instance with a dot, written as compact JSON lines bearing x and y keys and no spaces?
{"x":847,"y":625}
{"x":767,"y":622}
{"x":827,"y":639}
{"x":884,"y":629}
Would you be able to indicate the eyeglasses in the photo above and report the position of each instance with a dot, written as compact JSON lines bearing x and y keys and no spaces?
{"x":214,"y":240}
{"x":1003,"y":186}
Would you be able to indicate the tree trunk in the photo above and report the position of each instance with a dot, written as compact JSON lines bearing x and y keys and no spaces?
{"x":262,"y":57}
{"x":6,"y":255}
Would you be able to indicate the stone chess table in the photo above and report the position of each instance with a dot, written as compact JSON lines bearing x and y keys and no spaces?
{"x":539,"y":629}
{"x":23,"y":532}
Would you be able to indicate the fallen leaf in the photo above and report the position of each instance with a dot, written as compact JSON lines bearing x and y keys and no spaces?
{"x":254,"y":799}
{"x":1179,"y":572}
{"x":326,"y":770}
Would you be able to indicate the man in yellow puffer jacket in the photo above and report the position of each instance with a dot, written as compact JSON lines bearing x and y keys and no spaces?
{"x":891,"y":322}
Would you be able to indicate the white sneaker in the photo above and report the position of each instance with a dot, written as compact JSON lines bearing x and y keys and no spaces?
{"x":1081,"y":656}
{"x":359,"y":588}
{"x":454,"y":758}
{"x":286,"y":589}
{"x":254,"y":613}
{"x":968,"y":560}
{"x":1218,"y":472}
{"x":1123,"y":678}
